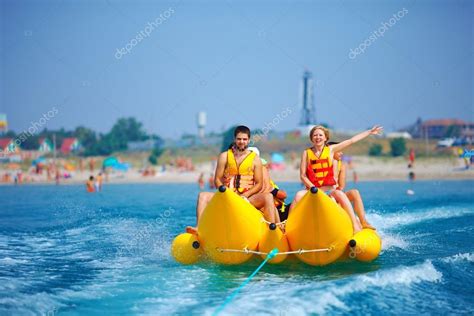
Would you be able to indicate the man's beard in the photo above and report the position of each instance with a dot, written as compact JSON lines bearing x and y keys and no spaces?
{"x":239,"y":149}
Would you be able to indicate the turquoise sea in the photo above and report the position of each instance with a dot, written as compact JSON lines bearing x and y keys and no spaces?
{"x":66,"y":252}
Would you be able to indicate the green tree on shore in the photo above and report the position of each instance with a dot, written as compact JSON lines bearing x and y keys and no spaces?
{"x":123,"y":131}
{"x":375,"y":150}
{"x":155,"y":154}
{"x":398,"y":146}
{"x":228,"y":138}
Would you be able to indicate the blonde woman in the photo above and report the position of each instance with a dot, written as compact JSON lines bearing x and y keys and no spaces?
{"x":316,"y":167}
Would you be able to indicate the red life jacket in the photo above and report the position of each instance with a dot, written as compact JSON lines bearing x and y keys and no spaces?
{"x":319,"y":170}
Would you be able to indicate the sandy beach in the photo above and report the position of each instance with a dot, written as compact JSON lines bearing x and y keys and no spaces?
{"x":366,"y":168}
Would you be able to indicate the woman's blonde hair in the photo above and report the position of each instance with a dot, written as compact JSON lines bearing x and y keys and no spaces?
{"x":324,"y":129}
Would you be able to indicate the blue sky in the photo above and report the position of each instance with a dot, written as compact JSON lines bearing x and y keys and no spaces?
{"x":240,"y":61}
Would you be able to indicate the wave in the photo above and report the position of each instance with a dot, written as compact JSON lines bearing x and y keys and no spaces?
{"x":394,"y":220}
{"x":404,"y":276}
{"x":393,"y":241}
{"x":135,"y":238}
{"x":459,"y":258}
{"x":11,"y":261}
{"x":327,"y":295}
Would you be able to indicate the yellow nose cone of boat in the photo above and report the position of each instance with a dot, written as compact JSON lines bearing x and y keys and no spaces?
{"x":368,"y":245}
{"x":317,"y":222}
{"x":229,"y":222}
{"x":273,"y":238}
{"x":186,"y":248}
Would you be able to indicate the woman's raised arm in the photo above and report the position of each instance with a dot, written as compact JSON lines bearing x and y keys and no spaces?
{"x":376,"y":130}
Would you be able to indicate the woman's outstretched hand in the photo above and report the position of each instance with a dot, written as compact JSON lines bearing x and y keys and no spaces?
{"x":376,"y":130}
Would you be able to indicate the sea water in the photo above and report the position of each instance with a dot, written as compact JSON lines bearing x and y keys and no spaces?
{"x":67,"y":252}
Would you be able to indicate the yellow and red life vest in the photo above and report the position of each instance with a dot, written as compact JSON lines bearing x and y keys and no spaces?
{"x":320,"y":170}
{"x":239,"y":178}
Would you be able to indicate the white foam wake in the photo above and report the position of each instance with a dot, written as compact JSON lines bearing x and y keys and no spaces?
{"x":321,"y":297}
{"x":405,"y":276}
{"x":394,"y":220}
{"x":460,"y":257}
{"x":11,"y":261}
{"x":393,"y":241}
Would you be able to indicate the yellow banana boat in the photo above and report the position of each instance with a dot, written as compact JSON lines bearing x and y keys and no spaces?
{"x":318,"y":232}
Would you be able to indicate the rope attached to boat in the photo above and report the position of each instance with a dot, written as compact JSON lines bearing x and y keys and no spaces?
{"x":234,"y":294}
{"x":299,"y":251}
{"x":245,"y":250}
{"x":278,"y":224}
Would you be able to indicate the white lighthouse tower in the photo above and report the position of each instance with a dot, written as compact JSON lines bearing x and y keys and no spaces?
{"x":308,"y":112}
{"x":201,"y":123}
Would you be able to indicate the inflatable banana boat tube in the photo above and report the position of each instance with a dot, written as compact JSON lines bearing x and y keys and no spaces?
{"x":318,"y":232}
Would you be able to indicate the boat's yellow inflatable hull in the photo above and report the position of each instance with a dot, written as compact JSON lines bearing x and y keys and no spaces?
{"x":318,"y":232}
{"x":229,"y":222}
{"x":317,"y":222}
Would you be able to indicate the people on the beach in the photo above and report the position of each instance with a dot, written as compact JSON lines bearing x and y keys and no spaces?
{"x":465,"y":157}
{"x":211,"y":184}
{"x":91,"y":164}
{"x":90,"y":184}
{"x":57,"y":175}
{"x":316,"y":167}
{"x":239,"y":169}
{"x":49,"y":171}
{"x":411,"y":158}
{"x":201,"y":181}
{"x":411,"y":179}
{"x":98,"y":182}
{"x":183,"y":164}
{"x":353,"y":195}
{"x":81,"y":165}
{"x":411,"y":172}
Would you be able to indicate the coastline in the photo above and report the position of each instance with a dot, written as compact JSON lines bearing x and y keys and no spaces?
{"x":366,"y":168}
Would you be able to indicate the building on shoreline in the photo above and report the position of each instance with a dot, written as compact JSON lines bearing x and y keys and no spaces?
{"x":8,"y":146}
{"x":45,"y":146}
{"x":70,"y":145}
{"x":441,"y":128}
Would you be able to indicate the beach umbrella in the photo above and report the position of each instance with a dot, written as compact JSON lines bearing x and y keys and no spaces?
{"x":277,"y":158}
{"x":122,"y":166}
{"x":39,"y":161}
{"x":69,"y":167}
{"x":110,"y":162}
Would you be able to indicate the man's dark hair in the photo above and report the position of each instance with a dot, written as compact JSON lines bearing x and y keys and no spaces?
{"x":242,"y":129}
